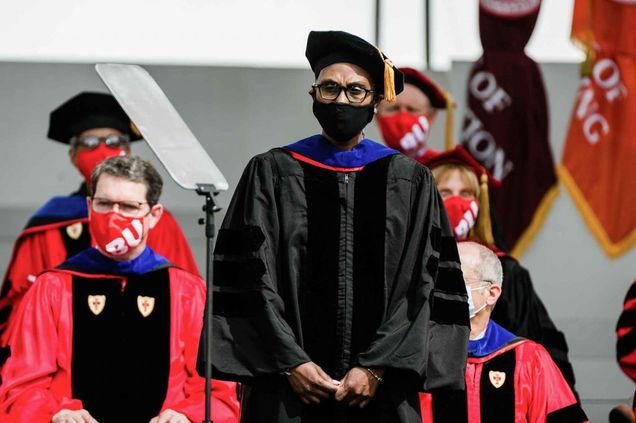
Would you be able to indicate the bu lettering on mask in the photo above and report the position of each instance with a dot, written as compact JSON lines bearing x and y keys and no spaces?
{"x":462,"y":213}
{"x":115,"y":234}
{"x":406,"y":132}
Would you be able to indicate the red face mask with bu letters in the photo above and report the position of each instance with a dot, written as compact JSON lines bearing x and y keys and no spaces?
{"x":115,"y":234}
{"x":406,"y":132}
{"x":462,"y":213}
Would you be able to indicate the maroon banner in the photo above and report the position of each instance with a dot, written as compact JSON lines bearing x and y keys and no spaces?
{"x":506,"y":125}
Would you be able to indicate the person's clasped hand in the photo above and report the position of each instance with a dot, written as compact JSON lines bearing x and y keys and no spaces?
{"x":311,"y":383}
{"x":83,"y":416}
{"x":73,"y":416}
{"x":359,"y":386}
{"x":170,"y":416}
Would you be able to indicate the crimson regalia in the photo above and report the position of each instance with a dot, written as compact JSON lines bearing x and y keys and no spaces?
{"x":117,"y":338}
{"x":59,"y":230}
{"x":508,"y":379}
{"x":626,"y":335}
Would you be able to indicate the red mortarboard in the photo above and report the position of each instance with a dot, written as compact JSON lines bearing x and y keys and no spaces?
{"x":460,"y":156}
{"x":434,"y":92}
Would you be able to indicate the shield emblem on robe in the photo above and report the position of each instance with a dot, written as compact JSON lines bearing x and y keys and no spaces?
{"x":497,"y":378}
{"x":145,"y":305}
{"x":74,"y":231}
{"x":96,"y":303}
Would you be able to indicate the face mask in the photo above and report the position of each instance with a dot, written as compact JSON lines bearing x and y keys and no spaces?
{"x":462,"y":213}
{"x":406,"y":132}
{"x":115,"y":234}
{"x":342,"y":121}
{"x":471,"y":304}
{"x":87,"y":160}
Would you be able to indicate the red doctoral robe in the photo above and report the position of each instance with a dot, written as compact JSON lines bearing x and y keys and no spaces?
{"x":517,"y":382}
{"x":60,"y":230}
{"x":38,"y":377}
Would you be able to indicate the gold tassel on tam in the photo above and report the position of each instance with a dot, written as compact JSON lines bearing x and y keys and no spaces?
{"x":449,"y":140}
{"x":389,"y":78}
{"x":389,"y":81}
{"x":483,"y":227}
{"x":134,"y":128}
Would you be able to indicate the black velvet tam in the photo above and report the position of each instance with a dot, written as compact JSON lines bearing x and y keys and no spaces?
{"x":89,"y":110}
{"x":325,"y":48}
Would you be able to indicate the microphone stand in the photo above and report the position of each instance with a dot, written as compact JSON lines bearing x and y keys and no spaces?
{"x":209,"y":208}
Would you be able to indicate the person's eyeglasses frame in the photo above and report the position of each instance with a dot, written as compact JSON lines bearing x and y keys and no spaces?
{"x":121,"y":141}
{"x":482,"y":283}
{"x":128,"y":204}
{"x":318,"y":88}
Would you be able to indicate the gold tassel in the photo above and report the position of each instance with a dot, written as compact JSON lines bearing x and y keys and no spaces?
{"x":483,"y":227}
{"x":389,"y":78}
{"x":389,"y":81}
{"x":134,"y":129}
{"x":449,"y":140}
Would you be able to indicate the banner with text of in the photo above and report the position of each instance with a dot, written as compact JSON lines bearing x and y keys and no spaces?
{"x":598,"y":166}
{"x":506,"y":125}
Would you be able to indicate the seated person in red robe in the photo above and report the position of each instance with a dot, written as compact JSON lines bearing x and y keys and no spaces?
{"x":626,"y":352}
{"x":464,"y":186}
{"x":111,"y":334}
{"x":96,"y":128}
{"x":508,"y":378}
{"x":406,"y":123}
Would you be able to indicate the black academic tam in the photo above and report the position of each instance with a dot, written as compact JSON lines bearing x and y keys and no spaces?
{"x":89,"y":110}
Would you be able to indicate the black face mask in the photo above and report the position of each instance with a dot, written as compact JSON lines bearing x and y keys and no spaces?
{"x":342,"y":121}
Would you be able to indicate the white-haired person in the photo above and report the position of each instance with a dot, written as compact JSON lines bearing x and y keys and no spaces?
{"x":508,"y":378}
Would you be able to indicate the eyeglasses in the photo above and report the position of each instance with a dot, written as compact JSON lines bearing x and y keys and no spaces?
{"x":126,"y":208}
{"x":91,"y":142}
{"x":354,"y":93}
{"x":472,"y":281}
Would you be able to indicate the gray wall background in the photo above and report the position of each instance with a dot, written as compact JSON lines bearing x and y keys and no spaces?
{"x":239,"y":112}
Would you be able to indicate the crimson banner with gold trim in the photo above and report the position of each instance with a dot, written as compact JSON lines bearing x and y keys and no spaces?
{"x":599,"y":161}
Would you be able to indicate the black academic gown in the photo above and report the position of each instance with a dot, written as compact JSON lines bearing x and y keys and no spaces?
{"x":342,"y":267}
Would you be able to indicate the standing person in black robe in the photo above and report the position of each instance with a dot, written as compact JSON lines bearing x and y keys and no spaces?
{"x":338,"y":290}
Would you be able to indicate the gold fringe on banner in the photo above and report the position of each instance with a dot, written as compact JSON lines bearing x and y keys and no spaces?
{"x":536,"y":223}
{"x":612,"y":249}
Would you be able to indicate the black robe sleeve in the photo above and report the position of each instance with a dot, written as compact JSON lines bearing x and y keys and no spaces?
{"x":433,"y":303}
{"x":251,"y":336}
{"x":521,"y":311}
